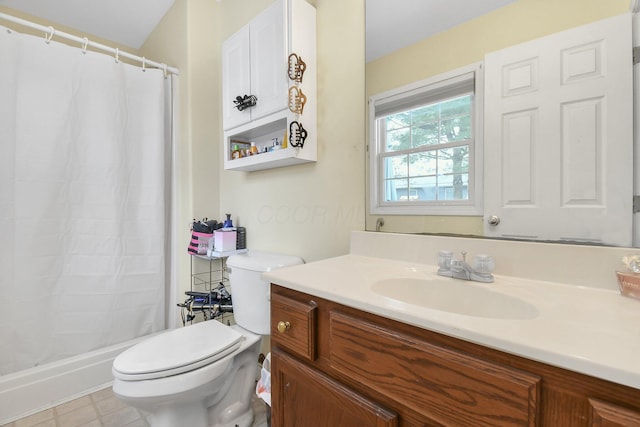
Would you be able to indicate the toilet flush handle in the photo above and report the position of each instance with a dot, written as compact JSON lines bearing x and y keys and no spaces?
{"x":283,"y":326}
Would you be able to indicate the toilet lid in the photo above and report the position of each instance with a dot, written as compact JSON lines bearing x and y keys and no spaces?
{"x":177,"y":351}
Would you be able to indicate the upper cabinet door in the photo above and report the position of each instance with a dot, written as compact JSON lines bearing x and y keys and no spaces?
{"x":254,"y":63}
{"x":559,"y":136}
{"x":236,"y":77}
{"x":268,"y":61}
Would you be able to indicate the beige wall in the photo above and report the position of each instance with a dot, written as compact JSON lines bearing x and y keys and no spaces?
{"x":186,"y":38}
{"x":465,"y":44}
{"x":308,"y":210}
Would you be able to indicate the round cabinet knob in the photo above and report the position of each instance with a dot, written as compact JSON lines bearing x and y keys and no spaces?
{"x":283,"y":326}
{"x":494,"y":220}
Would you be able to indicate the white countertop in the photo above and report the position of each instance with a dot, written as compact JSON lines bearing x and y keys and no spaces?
{"x":590,"y":330}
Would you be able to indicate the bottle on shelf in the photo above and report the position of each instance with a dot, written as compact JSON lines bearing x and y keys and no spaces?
{"x":235,"y":153}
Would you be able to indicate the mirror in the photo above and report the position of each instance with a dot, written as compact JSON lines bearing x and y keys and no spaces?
{"x":459,"y":35}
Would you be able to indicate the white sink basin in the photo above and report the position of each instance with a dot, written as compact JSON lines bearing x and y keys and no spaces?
{"x":455,"y":296}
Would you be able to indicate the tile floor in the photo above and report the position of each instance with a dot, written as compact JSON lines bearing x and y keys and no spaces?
{"x":102,"y":408}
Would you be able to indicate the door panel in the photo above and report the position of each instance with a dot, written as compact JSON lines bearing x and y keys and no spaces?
{"x":236,"y":79}
{"x":268,"y":74}
{"x":582,"y":162}
{"x":518,"y":132}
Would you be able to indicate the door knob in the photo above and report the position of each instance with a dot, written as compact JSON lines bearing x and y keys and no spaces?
{"x":494,"y":220}
{"x":283,"y":326}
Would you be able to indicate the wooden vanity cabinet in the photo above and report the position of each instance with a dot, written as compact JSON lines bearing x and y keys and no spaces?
{"x":333,"y":365}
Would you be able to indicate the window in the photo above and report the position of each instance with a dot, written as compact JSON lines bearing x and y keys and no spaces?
{"x":426,"y":147}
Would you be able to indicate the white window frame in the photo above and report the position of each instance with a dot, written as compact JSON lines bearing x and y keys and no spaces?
{"x":422,"y":89}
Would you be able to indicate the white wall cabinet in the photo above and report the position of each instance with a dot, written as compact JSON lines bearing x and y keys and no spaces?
{"x":256,"y":61}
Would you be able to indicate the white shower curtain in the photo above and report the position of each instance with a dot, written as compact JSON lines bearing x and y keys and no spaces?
{"x":83,"y":201}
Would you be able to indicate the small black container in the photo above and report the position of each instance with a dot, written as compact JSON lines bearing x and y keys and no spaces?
{"x":241,"y":238}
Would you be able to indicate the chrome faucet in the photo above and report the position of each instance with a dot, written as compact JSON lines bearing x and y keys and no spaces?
{"x":460,"y":269}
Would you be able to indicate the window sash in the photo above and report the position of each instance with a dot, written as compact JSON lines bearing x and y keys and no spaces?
{"x":386,"y":180}
{"x":464,"y":81}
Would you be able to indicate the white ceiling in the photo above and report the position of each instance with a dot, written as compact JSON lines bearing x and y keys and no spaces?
{"x":126,"y":22}
{"x":391,"y":24}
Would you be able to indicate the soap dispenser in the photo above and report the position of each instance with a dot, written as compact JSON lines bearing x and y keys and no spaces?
{"x":228,"y":223}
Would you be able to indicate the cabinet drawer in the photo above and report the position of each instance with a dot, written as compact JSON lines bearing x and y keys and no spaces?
{"x":293,"y":325}
{"x":445,"y":386}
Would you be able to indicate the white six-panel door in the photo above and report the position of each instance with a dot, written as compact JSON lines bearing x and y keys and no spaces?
{"x":559,"y":136}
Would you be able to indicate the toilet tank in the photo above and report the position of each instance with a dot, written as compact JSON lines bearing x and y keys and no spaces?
{"x":249,"y":293}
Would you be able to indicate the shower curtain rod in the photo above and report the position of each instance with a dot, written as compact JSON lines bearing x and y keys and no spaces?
{"x":50,"y":32}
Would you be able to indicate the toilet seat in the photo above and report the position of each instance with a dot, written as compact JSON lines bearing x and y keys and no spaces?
{"x":177,"y":351}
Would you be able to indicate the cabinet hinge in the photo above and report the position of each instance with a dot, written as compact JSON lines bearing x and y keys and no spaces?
{"x":636,"y":55}
{"x":636,"y":204}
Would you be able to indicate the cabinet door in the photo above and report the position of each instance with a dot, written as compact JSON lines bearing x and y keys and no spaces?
{"x":303,"y":396}
{"x":236,"y":77}
{"x":268,"y":60}
{"x":605,"y":414}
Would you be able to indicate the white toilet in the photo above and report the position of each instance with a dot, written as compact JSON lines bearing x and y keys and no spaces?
{"x":204,"y":375}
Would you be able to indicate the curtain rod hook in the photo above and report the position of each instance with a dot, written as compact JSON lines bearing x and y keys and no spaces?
{"x":164,"y":67}
{"x":117,"y":55}
{"x":144,"y":64}
{"x":85,"y":44}
{"x":49,"y":36}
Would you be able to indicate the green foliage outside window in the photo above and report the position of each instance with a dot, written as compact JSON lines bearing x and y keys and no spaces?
{"x":427,"y":151}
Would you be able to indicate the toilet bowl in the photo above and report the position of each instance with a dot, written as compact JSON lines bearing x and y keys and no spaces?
{"x":204,"y":374}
